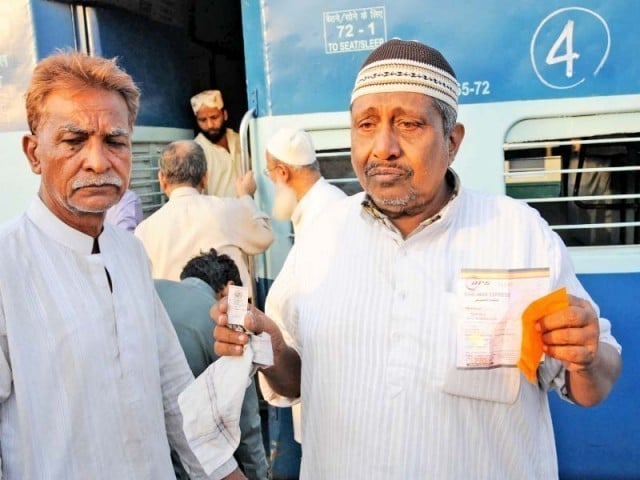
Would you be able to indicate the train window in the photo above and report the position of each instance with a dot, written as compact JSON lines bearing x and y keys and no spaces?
{"x":335,"y":165}
{"x":332,"y":140}
{"x":583,"y":178}
{"x":144,"y":175}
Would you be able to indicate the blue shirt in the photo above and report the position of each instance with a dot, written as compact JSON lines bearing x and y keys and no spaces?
{"x":188,"y":303}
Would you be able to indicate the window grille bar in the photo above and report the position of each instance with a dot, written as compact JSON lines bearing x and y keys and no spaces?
{"x":596,"y":225}
{"x":558,"y":143}
{"x":582,"y":198}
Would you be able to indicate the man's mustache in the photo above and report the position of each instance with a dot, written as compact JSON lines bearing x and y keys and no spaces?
{"x":372,"y":167}
{"x":98,"y":181}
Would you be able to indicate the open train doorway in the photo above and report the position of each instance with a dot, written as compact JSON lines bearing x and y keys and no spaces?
{"x":216,"y":53}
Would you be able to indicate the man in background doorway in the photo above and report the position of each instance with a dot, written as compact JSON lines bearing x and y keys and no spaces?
{"x":220,"y":143}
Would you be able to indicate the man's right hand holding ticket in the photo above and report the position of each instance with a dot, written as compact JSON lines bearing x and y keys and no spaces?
{"x":284,"y":375}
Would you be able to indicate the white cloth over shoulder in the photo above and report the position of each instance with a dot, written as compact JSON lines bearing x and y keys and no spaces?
{"x":211,"y":405}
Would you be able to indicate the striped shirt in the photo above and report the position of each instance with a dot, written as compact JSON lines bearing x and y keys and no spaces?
{"x":373,"y":317}
{"x":89,"y":377}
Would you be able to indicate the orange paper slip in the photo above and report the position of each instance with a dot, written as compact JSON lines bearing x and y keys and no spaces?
{"x":531,"y":350}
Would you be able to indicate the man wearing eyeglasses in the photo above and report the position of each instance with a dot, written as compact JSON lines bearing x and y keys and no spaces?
{"x":301,"y":192}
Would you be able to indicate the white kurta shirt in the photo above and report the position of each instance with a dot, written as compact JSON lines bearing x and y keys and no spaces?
{"x":191,"y":223}
{"x":223,"y":166}
{"x":373,"y":317}
{"x":89,"y":378}
{"x":316,"y":201}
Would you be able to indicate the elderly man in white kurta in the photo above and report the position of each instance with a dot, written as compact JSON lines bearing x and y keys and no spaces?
{"x":191,"y":223}
{"x":301,"y":192}
{"x":90,"y":365}
{"x":374,"y":323}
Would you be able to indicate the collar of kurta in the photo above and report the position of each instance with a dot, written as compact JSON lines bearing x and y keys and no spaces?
{"x":57,"y":230}
{"x":184,"y":192}
{"x":452,"y":180}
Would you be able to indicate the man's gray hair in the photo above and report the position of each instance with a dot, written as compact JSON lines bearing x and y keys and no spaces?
{"x":183,"y":161}
{"x":449,"y":115}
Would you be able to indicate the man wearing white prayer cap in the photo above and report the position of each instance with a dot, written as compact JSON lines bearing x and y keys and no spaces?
{"x":220,"y":143}
{"x":302,"y":193}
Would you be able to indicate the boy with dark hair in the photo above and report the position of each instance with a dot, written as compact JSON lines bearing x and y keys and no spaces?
{"x":204,"y":280}
{"x":217,"y":270}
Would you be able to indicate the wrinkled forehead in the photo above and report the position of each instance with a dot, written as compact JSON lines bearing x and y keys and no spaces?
{"x":86,"y":109}
{"x":391,"y":101}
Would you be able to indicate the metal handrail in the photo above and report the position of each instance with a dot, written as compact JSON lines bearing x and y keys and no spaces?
{"x":243,"y":132}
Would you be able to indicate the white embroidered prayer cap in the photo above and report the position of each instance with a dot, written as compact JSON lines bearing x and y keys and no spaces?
{"x":208,"y":98}
{"x":292,"y":146}
{"x":407,"y":66}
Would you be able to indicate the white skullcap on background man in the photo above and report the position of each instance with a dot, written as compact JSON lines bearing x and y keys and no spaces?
{"x":207,"y":98}
{"x":293,"y":147}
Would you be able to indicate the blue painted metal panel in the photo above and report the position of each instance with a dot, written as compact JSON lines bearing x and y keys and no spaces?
{"x":508,"y":51}
{"x":255,"y":67}
{"x":16,"y":63}
{"x":602,"y":442}
{"x":53,"y":27}
{"x":31,"y":30}
{"x":155,"y":55}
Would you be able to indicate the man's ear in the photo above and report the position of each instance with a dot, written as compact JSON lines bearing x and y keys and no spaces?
{"x":455,"y":139}
{"x":162,"y":181}
{"x":203,"y":183}
{"x":29,"y":146}
{"x":284,"y":172}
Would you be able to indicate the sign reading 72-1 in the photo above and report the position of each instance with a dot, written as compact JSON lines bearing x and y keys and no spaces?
{"x":569,"y":47}
{"x":354,"y":30}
